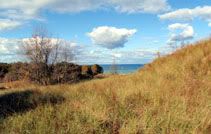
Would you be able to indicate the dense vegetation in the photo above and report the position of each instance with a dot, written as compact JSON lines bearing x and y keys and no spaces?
{"x":170,"y":95}
{"x":44,"y":74}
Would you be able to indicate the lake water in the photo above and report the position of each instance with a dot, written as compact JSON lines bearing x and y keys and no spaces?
{"x":122,"y":68}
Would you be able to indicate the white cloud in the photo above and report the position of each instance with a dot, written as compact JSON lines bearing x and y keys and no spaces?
{"x":128,"y":6}
{"x":9,"y":46}
{"x":25,"y":10}
{"x":138,"y":55}
{"x":84,"y":54}
{"x":187,"y":14}
{"x":72,"y":6}
{"x":117,"y":55}
{"x":209,"y":24}
{"x":14,"y":13}
{"x":134,"y":6}
{"x":187,"y":32}
{"x":180,"y":14}
{"x":110,"y":37}
{"x":6,"y":24}
{"x":122,"y":56}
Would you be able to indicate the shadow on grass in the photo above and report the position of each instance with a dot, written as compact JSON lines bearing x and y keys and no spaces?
{"x":23,"y":101}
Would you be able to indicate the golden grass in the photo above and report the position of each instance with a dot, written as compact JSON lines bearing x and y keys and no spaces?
{"x":170,"y":95}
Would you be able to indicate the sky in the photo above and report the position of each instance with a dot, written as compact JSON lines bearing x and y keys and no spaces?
{"x":131,"y":31}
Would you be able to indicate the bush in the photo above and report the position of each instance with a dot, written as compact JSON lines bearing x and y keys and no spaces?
{"x":66,"y":73}
{"x":17,"y":71}
{"x":44,"y":74}
{"x":86,"y":71}
{"x":40,"y":73}
{"x":96,"y":69}
{"x":4,"y":69}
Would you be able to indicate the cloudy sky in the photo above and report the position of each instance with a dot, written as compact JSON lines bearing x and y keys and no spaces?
{"x":132,"y":31}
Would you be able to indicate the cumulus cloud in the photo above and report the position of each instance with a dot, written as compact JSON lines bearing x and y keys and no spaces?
{"x":187,"y":14}
{"x":20,"y":11}
{"x":111,"y":37}
{"x":187,"y":32}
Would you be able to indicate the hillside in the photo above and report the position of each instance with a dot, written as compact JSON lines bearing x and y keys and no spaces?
{"x":170,"y":95}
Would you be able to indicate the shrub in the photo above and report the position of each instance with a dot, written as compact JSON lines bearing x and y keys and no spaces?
{"x":4,"y":69}
{"x":96,"y":69}
{"x":86,"y":71}
{"x":65,"y":73}
{"x":40,"y":73}
{"x":45,"y":74}
{"x":17,"y":71}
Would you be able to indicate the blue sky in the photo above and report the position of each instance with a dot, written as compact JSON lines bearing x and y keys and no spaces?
{"x":132,"y":31}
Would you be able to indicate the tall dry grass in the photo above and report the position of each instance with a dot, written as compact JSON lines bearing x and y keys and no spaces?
{"x":170,"y":95}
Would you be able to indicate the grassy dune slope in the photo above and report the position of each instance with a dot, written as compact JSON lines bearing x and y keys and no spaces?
{"x":170,"y":95}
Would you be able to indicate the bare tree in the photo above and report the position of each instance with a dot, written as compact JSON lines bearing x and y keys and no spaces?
{"x":66,"y":53}
{"x":43,"y":51}
{"x":41,"y":48}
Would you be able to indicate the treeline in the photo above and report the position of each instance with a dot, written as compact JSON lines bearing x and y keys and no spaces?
{"x":44,"y":74}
